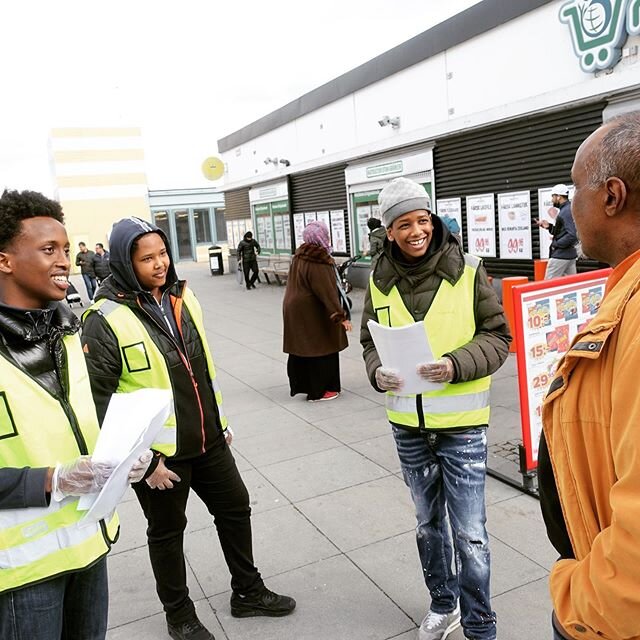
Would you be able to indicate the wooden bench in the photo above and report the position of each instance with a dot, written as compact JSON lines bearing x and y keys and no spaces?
{"x":276,"y":266}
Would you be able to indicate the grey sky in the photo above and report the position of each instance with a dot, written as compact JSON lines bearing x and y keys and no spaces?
{"x":188,"y":73}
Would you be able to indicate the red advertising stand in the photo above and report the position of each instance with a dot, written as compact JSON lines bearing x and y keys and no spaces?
{"x":548,"y":315}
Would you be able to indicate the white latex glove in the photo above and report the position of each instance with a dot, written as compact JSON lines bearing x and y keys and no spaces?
{"x":140,"y":466}
{"x":79,"y":477}
{"x":388,"y":379}
{"x":228,"y":435}
{"x":439,"y":371}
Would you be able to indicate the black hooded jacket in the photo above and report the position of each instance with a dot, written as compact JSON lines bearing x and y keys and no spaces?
{"x":175,"y":336}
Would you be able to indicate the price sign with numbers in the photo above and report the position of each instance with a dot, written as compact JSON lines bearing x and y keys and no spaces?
{"x":548,"y":315}
{"x":514,"y":215}
{"x":481,"y":225}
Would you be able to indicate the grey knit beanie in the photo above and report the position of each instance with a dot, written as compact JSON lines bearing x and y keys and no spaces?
{"x":400,"y":196}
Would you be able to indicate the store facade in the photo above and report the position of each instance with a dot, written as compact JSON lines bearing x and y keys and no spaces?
{"x":480,"y":110}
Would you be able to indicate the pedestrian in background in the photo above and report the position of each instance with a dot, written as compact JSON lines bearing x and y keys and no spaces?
{"x":588,"y":471}
{"x":562,"y":253}
{"x":101,"y":263}
{"x":315,"y":323}
{"x":146,"y":330}
{"x":84,"y":260}
{"x":248,"y":252}
{"x":377,"y":234}
{"x":53,"y":571}
{"x":424,"y":276}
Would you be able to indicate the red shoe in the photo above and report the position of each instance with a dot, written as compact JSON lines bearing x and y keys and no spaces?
{"x":329,"y":395}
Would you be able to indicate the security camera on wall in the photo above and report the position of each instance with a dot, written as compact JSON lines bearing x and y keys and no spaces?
{"x":384,"y":121}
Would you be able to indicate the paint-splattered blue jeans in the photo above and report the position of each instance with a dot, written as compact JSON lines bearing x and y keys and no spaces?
{"x":445,"y":473}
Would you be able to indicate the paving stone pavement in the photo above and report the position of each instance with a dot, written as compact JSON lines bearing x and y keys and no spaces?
{"x":332,"y":519}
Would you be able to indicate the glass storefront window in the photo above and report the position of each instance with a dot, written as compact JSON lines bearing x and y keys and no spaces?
{"x":202,"y":225}
{"x":221,"y":227}
{"x":182,"y":234}
{"x":161,"y":220}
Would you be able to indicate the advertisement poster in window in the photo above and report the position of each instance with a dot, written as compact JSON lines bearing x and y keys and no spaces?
{"x":363,"y":213}
{"x":338,"y":235}
{"x":260,"y":224}
{"x":323,"y":216}
{"x":309,"y":217}
{"x":514,"y":216}
{"x":481,"y":225}
{"x":268,"y":233}
{"x":277,"y":222}
{"x":547,"y":319}
{"x":449,"y":210}
{"x":286,"y":226}
{"x":298,"y":227}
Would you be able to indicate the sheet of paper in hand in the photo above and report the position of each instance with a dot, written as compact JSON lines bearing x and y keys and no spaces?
{"x":130,"y":426}
{"x":403,"y":349}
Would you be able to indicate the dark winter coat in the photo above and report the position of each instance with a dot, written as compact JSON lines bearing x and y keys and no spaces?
{"x":376,"y":241}
{"x":85,"y":262}
{"x":195,"y":432}
{"x":311,"y":309}
{"x":418,"y":284}
{"x":565,"y":236}
{"x":248,"y":250}
{"x":101,"y":265}
{"x":32,"y":340}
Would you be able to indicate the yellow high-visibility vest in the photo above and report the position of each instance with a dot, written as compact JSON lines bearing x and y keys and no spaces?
{"x":144,"y":365}
{"x":449,"y":323}
{"x":37,"y":430}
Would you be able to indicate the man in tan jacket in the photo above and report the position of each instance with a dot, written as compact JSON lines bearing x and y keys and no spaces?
{"x":589,"y":461}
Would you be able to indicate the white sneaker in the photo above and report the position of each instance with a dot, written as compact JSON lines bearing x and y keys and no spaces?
{"x":437,"y":626}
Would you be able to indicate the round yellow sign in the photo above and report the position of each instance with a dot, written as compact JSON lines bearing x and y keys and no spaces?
{"x":212,"y":168}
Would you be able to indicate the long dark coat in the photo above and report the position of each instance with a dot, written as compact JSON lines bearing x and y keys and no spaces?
{"x":311,"y":309}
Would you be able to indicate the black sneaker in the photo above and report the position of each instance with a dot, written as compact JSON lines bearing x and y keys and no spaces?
{"x":191,"y":630}
{"x":265,"y":603}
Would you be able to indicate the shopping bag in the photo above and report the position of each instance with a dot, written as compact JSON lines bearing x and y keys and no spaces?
{"x":239,"y":274}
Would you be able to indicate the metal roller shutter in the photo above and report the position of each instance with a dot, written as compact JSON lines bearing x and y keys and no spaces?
{"x":528,"y":153}
{"x":320,"y":190}
{"x":236,"y":204}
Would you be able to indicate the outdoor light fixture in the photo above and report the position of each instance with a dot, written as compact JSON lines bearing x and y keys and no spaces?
{"x":394,"y":122}
{"x":285,"y":162}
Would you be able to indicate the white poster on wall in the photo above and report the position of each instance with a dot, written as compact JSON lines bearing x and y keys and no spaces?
{"x":309,"y":217}
{"x":338,"y":235}
{"x":298,"y":227}
{"x":514,"y":216}
{"x":449,"y":209}
{"x":262,"y":238}
{"x":277,"y":221}
{"x":363,"y":213}
{"x":286,"y":227}
{"x":268,"y":233}
{"x":323,"y":216}
{"x":481,"y":225}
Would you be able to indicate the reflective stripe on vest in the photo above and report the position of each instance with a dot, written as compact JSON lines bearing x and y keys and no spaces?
{"x":144,"y":365}
{"x":449,"y":323}
{"x":39,"y":543}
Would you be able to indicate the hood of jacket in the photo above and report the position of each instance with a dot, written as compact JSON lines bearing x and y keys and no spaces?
{"x":123,"y":235}
{"x":444,"y":258}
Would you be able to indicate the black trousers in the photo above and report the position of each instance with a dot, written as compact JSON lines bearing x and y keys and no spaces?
{"x":216,"y":481}
{"x":247,"y":267}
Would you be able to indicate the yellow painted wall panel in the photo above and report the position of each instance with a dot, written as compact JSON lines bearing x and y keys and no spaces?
{"x":98,"y":155}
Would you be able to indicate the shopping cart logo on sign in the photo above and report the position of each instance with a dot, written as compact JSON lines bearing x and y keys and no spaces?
{"x":598,"y":30}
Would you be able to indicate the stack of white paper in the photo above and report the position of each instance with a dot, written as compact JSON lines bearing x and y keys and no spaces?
{"x":403,"y":349}
{"x":130,"y":426}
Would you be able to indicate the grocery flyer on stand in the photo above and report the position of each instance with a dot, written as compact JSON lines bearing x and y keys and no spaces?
{"x":548,"y":315}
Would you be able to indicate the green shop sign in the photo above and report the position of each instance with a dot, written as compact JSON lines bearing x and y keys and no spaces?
{"x":599,"y":29}
{"x":384,"y":169}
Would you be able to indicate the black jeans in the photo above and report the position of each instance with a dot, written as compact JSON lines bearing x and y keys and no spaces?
{"x":250,"y":266}
{"x":216,"y":480}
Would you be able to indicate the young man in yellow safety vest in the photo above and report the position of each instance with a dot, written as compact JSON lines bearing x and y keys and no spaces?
{"x":146,"y":329}
{"x":423,"y":275}
{"x":53,"y":575}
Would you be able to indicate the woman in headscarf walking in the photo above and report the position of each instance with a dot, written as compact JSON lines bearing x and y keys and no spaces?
{"x":315,"y":322}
